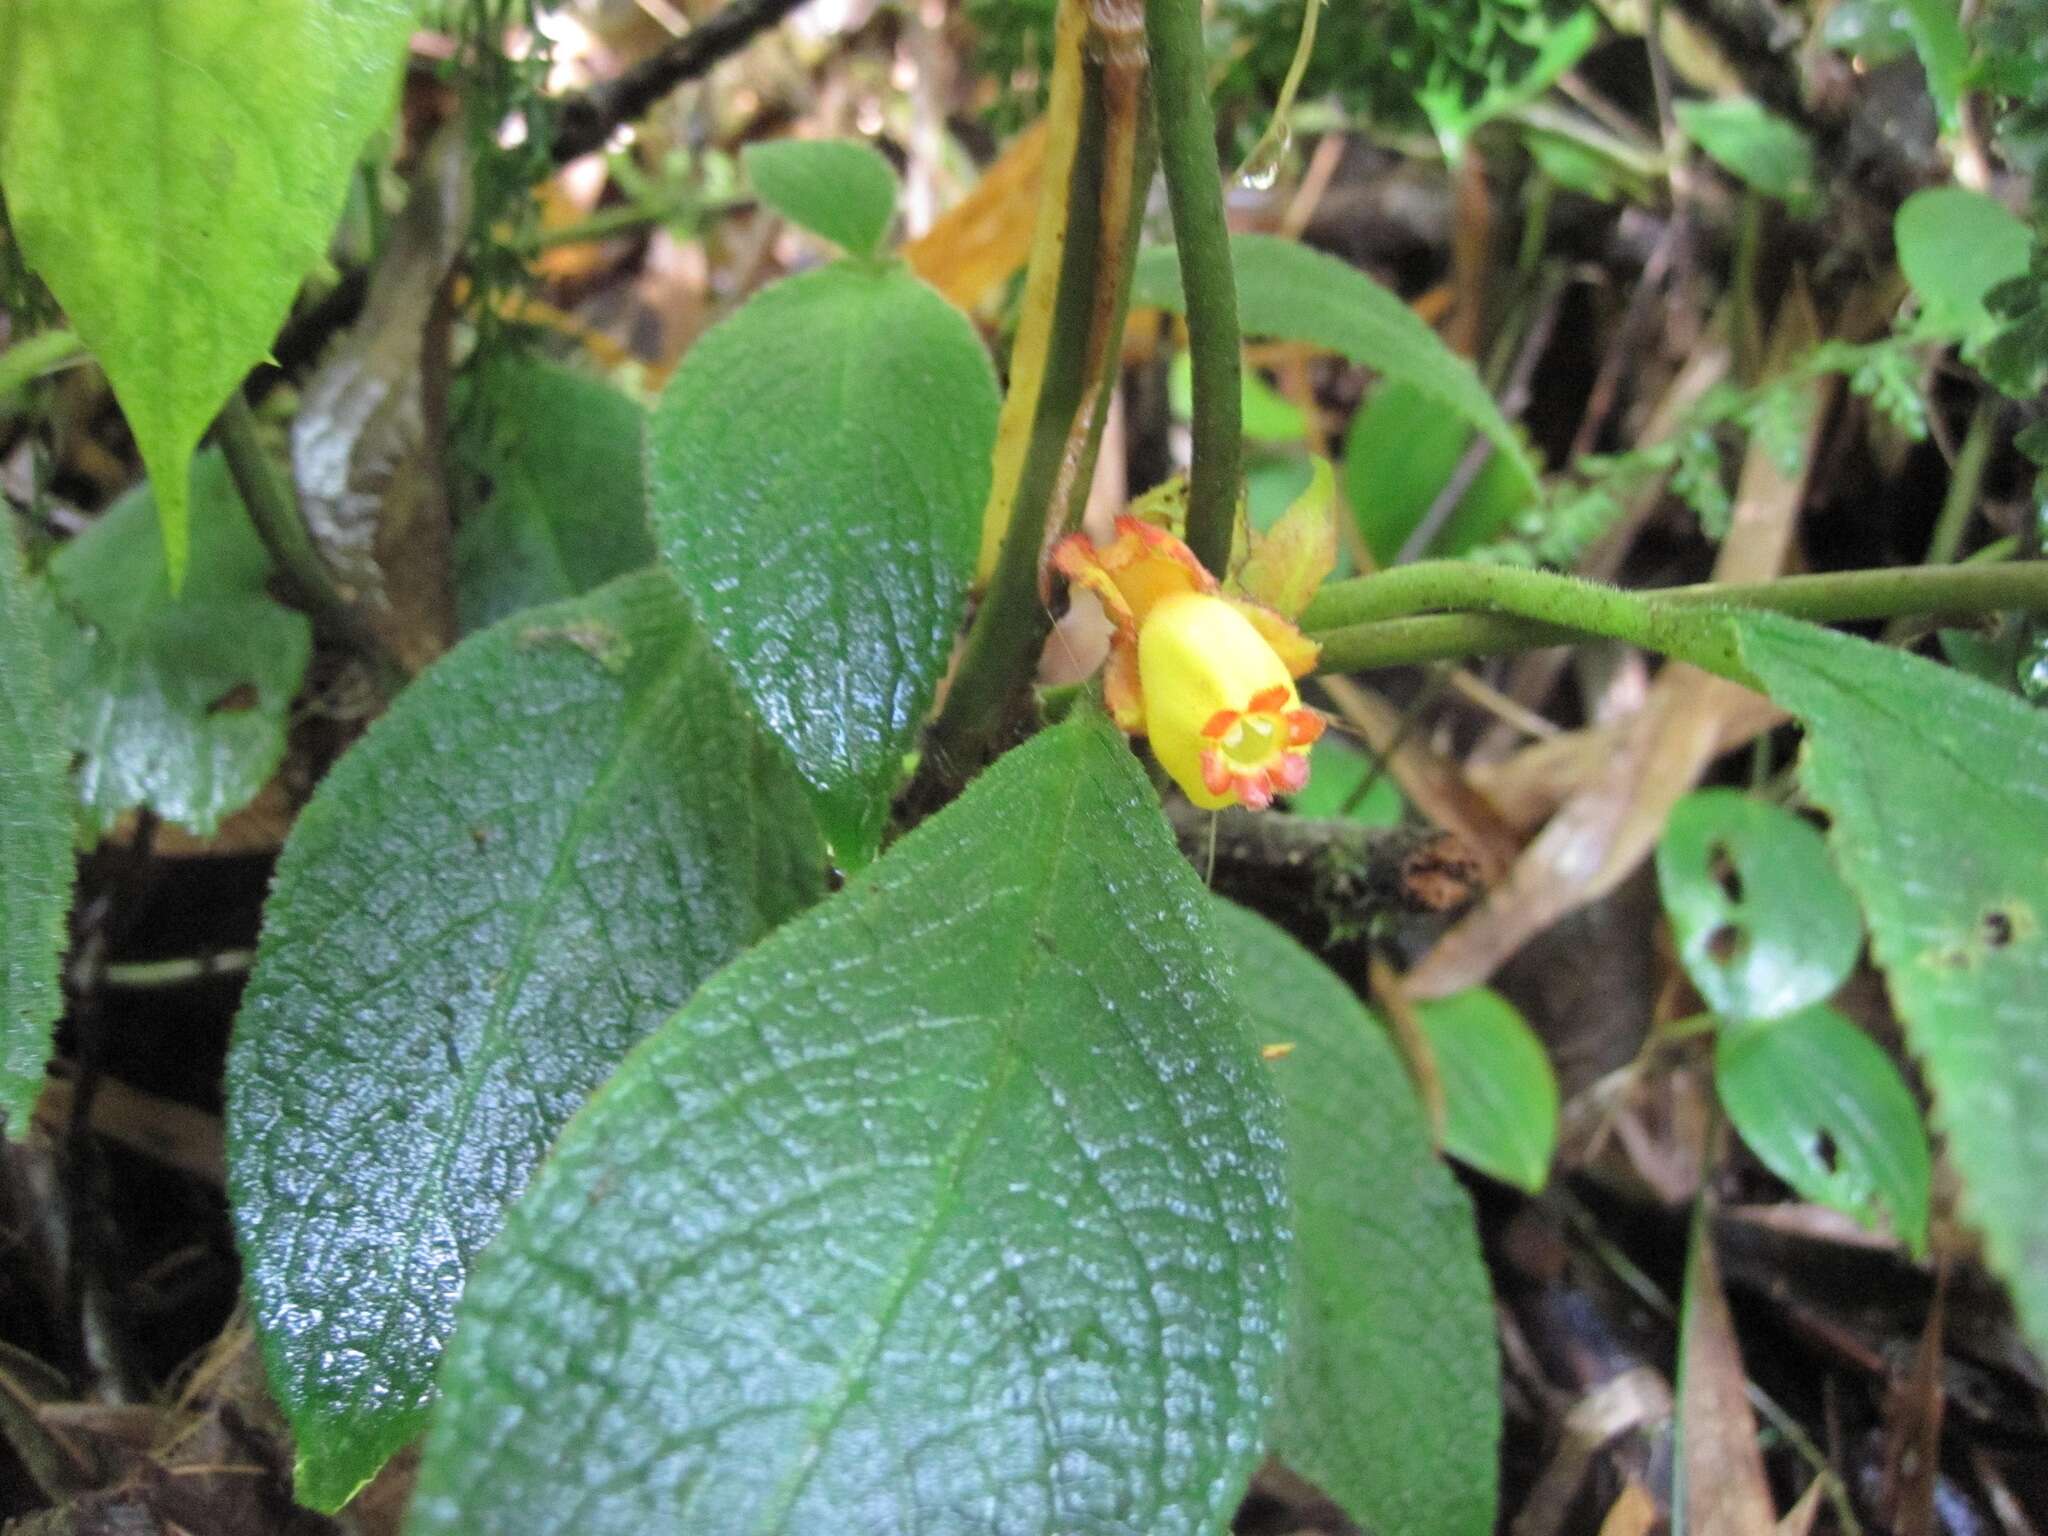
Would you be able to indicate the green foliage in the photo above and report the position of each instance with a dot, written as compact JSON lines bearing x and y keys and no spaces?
{"x":172,"y":169}
{"x":1288,"y":291}
{"x":558,"y":831}
{"x":816,"y":475}
{"x":1444,"y":67}
{"x":556,"y":456}
{"x":1826,"y":1111}
{"x":955,"y":1206}
{"x":35,"y":847}
{"x":1389,"y":1394}
{"x":1500,"y":1095}
{"x":841,"y":189}
{"x":1955,"y":246}
{"x":1756,"y":146}
{"x":1400,"y":453}
{"x":1938,"y":786}
{"x":1765,"y":927}
{"x":178,"y":703}
{"x":1937,"y":32}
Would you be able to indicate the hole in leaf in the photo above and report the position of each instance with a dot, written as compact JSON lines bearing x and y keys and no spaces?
{"x":1725,"y":943}
{"x":1997,"y":928}
{"x":1824,"y":1148}
{"x":1721,"y":866}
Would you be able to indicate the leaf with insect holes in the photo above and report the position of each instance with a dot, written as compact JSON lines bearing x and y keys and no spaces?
{"x":1765,"y":927}
{"x":35,"y":847}
{"x":1938,"y":789}
{"x":1825,"y":1110}
{"x":955,"y":1207}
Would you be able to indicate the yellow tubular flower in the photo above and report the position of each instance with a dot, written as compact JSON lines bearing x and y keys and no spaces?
{"x":1207,"y":677}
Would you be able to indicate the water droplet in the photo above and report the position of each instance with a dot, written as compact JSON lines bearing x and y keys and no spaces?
{"x":1262,"y":168}
{"x":2033,"y":669}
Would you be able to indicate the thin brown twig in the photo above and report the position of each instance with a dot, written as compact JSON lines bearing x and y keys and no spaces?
{"x":586,"y":121}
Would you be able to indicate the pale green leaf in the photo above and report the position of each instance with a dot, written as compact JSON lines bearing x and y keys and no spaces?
{"x":177,"y":703}
{"x":173,"y":168}
{"x":35,"y":847}
{"x":1389,"y":1396}
{"x":1955,"y":246}
{"x":816,"y":473}
{"x":558,"y":831}
{"x":1938,"y":789}
{"x":1754,"y":145}
{"x":841,"y":189}
{"x":1288,"y":291}
{"x":1765,"y":927}
{"x":1500,"y":1094}
{"x":1825,"y":1110}
{"x":557,"y":454}
{"x":955,"y":1207}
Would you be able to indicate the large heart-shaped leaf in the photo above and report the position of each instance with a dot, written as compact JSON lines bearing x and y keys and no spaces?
{"x":1288,"y":291}
{"x":558,"y":831}
{"x":35,"y":847}
{"x":1389,"y":1397}
{"x":816,"y":475}
{"x":1938,"y":786}
{"x":955,"y":1208}
{"x":172,"y":169}
{"x":178,"y":702}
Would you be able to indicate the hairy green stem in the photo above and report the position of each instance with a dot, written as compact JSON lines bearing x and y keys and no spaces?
{"x":275,"y":513}
{"x":1194,"y":193}
{"x":1373,"y":621}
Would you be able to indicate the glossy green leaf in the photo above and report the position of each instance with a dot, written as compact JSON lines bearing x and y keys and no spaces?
{"x":1955,"y":246}
{"x":1399,"y":454}
{"x":1288,"y":291}
{"x":1826,"y":1111}
{"x":816,"y":475}
{"x":955,"y":1207}
{"x":558,"y":831}
{"x":1346,"y":782}
{"x":1500,"y":1094}
{"x":35,"y":846}
{"x":1754,"y":145}
{"x":176,"y":703}
{"x":557,"y":455}
{"x":839,"y":188}
{"x":1389,"y":1396}
{"x":1938,"y":789}
{"x":1765,"y":927}
{"x":173,"y":168}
